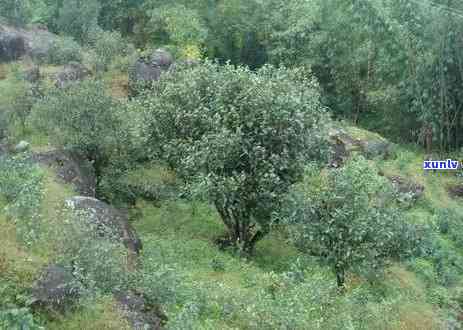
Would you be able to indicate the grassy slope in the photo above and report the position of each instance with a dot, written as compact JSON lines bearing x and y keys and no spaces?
{"x":181,"y":233}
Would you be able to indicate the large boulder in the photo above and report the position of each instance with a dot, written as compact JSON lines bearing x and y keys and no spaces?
{"x":12,"y":44}
{"x":71,"y":72}
{"x":149,"y":69}
{"x":16,"y":43}
{"x":70,"y":168}
{"x":56,"y":289}
{"x":107,"y":220}
{"x":346,"y":141}
{"x":140,"y":315}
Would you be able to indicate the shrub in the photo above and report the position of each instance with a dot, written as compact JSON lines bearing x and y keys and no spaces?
{"x":347,"y":218}
{"x":16,"y":100}
{"x":64,"y":50}
{"x":106,"y":47}
{"x":238,"y":137}
{"x":84,"y":118}
{"x":21,"y":185}
{"x":18,"y":318}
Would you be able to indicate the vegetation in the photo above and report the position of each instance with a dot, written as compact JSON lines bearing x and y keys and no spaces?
{"x":241,"y":137}
{"x":248,"y":147}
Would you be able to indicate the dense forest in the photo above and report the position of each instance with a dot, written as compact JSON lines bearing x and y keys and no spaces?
{"x":240,"y":164}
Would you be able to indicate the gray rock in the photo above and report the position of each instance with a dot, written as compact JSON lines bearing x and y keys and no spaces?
{"x":70,"y":168}
{"x":12,"y":44}
{"x":22,"y":146}
{"x":455,"y":191}
{"x":16,"y":43}
{"x":377,"y":148}
{"x":135,"y":309}
{"x":147,"y":70}
{"x":71,"y":72}
{"x":406,"y":186}
{"x":162,"y":59}
{"x":56,"y":289}
{"x":108,"y":221}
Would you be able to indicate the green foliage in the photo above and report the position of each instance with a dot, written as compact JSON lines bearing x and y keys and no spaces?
{"x":15,"y":12}
{"x":63,"y":51}
{"x":348,"y":220}
{"x":176,"y":25}
{"x":18,"y":319}
{"x":106,"y":47}
{"x":85,"y":119}
{"x":238,"y":137}
{"x":77,"y":17}
{"x":21,"y":185}
{"x":16,"y":100}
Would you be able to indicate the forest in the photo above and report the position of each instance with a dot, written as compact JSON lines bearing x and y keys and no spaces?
{"x":231,"y":164}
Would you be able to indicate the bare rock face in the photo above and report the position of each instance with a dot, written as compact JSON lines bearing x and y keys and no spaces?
{"x":55,"y":290}
{"x":135,"y":309}
{"x":16,"y":43}
{"x":71,"y":169}
{"x":71,"y":72}
{"x":109,"y":222}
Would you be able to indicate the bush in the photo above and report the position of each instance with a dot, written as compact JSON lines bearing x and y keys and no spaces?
{"x":21,"y":185}
{"x":18,"y":318}
{"x":85,"y":119}
{"x":16,"y":101}
{"x":63,"y":51}
{"x":106,"y":46}
{"x":359,"y":235}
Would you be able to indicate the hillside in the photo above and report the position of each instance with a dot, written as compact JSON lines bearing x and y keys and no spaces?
{"x":230,"y":165}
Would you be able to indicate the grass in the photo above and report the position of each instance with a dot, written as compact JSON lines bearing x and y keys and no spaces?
{"x":101,"y":314}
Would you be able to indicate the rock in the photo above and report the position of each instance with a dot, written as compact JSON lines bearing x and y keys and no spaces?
{"x":4,"y":150}
{"x":16,"y":43}
{"x":32,"y":74}
{"x":22,"y":146}
{"x":162,"y":59}
{"x":455,"y":191}
{"x":12,"y":44}
{"x":343,"y":144}
{"x":109,"y":222}
{"x":70,"y":168}
{"x":71,"y":72}
{"x":145,"y":71}
{"x":405,"y":186}
{"x":56,"y":289}
{"x":139,"y":314}
{"x":376,"y":148}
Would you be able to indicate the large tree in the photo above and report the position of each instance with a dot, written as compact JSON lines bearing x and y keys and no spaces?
{"x":240,"y":137}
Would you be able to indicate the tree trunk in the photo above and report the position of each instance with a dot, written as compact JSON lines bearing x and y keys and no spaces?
{"x":340,"y":277}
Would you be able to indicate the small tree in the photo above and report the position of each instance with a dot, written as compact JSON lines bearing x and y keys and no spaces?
{"x":242,"y":137}
{"x":85,"y":119}
{"x":347,"y":219}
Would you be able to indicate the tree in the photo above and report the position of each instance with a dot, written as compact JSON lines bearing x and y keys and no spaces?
{"x":347,"y":218}
{"x":77,"y":17}
{"x":15,"y":11}
{"x":86,"y":120}
{"x":241,"y":138}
